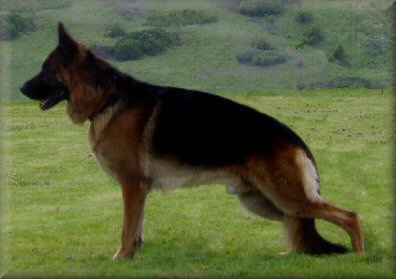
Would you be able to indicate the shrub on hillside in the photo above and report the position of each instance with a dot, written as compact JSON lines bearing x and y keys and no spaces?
{"x":391,"y":12}
{"x":262,"y":43}
{"x":114,"y":30}
{"x":260,"y":8}
{"x":180,"y":18}
{"x":14,"y":25}
{"x":106,"y":52}
{"x":304,"y":17}
{"x":314,"y":36}
{"x":377,"y":46}
{"x":128,"y":49}
{"x":142,"y":43}
{"x":261,"y":58}
{"x":342,"y":82}
{"x":339,"y":56}
{"x":247,"y":56}
{"x":267,"y":58}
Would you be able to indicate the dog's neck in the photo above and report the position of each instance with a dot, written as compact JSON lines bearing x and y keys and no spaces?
{"x":101,"y":120}
{"x":111,"y":101}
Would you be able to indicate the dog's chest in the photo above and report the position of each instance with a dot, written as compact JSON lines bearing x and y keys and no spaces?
{"x":106,"y":165}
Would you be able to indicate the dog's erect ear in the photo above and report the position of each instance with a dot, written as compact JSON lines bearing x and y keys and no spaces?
{"x":66,"y":43}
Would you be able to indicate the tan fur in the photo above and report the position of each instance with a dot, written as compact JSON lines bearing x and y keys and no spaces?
{"x":118,"y":145}
{"x":85,"y":99}
{"x":134,"y":194}
{"x":309,"y":175}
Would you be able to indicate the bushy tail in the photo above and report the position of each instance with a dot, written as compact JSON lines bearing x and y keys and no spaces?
{"x":303,"y":238}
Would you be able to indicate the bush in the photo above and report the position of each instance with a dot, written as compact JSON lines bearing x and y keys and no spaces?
{"x":314,"y":36}
{"x":142,"y":43}
{"x":180,"y":18}
{"x":376,"y":46}
{"x":339,"y":56}
{"x":300,"y":86}
{"x":267,"y":58}
{"x":14,"y":25}
{"x":304,"y":17}
{"x":247,"y":56}
{"x":391,"y":12}
{"x":261,"y":58}
{"x":262,"y":43}
{"x":301,"y":44}
{"x":114,"y":30}
{"x":106,"y":52}
{"x":128,"y":49}
{"x":260,"y":8}
{"x":342,"y":82}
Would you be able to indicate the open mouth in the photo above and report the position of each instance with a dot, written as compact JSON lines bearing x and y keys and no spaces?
{"x":53,"y":100}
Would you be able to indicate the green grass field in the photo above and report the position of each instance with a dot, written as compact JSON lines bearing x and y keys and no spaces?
{"x":64,"y":215}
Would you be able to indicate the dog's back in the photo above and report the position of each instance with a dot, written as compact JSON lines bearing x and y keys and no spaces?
{"x":209,"y":131}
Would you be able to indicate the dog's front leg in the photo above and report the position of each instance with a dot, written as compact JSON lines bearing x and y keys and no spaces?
{"x":139,"y":236}
{"x":134,"y":194}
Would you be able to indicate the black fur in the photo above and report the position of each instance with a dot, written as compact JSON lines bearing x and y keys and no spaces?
{"x":209,"y":131}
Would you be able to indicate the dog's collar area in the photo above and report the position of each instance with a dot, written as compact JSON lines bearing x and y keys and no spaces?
{"x":110,"y":102}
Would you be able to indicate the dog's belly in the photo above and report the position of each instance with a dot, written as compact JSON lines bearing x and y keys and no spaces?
{"x":168,"y":175}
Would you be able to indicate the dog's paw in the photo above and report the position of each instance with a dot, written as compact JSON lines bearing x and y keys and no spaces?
{"x":139,"y":242}
{"x":284,"y":253}
{"x":123,"y":254}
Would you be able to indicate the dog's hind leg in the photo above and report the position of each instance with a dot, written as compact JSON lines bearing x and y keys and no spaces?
{"x":289,"y":180}
{"x":253,"y":200}
{"x":302,"y":237}
{"x":258,"y":204}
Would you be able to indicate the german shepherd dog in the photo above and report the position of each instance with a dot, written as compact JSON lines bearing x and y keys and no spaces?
{"x":147,"y":136}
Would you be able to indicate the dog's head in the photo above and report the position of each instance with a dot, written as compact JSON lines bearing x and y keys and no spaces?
{"x":68,"y":74}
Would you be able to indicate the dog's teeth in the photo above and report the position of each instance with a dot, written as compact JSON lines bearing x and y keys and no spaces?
{"x":43,"y":103}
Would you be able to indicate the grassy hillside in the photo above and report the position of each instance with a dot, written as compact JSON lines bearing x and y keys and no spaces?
{"x":205,"y":58}
{"x":65,"y":215}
